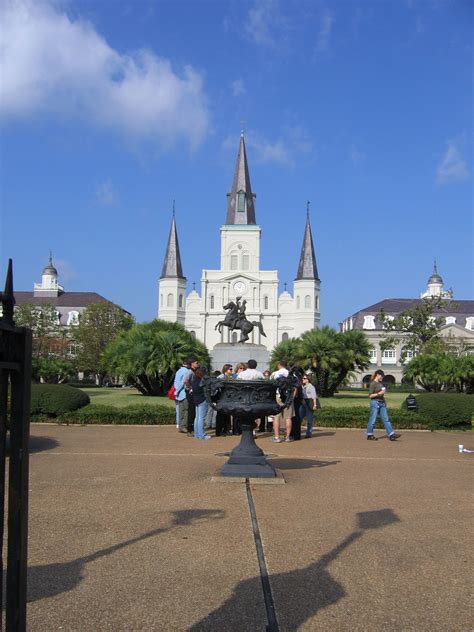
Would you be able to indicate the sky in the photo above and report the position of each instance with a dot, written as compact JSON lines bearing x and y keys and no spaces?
{"x":111,"y":110}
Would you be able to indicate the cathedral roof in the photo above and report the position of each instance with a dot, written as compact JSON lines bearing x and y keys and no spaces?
{"x":172,"y":263}
{"x":307,"y":268}
{"x":243,"y":213}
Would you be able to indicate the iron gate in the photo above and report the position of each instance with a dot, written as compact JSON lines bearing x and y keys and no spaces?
{"x":15,"y":380}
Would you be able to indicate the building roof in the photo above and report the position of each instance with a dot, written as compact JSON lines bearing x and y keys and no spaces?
{"x":307,"y":268}
{"x":241,"y":183}
{"x":172,"y":267}
{"x":65,"y":299}
{"x":394,"y":306}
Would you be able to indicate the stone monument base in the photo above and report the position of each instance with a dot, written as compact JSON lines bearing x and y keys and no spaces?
{"x":225,"y":352}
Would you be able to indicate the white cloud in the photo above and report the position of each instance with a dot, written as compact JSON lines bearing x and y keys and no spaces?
{"x":106,"y":194}
{"x":287,"y":150}
{"x":265,"y":23}
{"x":452,"y":167}
{"x":325,"y":30}
{"x":238,"y":87}
{"x":52,"y":63}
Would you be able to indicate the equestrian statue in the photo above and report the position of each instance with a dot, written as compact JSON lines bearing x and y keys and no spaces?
{"x":236,"y":319}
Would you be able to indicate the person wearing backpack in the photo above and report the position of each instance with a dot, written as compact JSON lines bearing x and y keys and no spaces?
{"x":182,"y":376}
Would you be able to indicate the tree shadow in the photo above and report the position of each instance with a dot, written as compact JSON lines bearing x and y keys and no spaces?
{"x":308,"y":590}
{"x":299,"y":464}
{"x":317,"y":434}
{"x":53,"y":579}
{"x":39,"y":444}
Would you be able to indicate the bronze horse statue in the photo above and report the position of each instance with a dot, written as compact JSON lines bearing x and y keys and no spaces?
{"x":236,"y":319}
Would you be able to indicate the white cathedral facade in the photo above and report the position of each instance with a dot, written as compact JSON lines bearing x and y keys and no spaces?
{"x":282,"y":315}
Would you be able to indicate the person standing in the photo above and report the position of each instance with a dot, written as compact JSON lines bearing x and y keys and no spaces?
{"x":379,"y":407}
{"x":250,"y":373}
{"x":223,"y":420}
{"x":297,"y":373}
{"x":236,"y":426}
{"x":181,"y":401}
{"x":197,"y":386}
{"x":308,"y":405}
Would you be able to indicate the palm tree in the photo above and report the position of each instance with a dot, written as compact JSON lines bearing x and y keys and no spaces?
{"x":148,"y":355}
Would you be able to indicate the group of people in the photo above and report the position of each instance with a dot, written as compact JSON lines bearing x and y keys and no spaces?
{"x":194,"y":415}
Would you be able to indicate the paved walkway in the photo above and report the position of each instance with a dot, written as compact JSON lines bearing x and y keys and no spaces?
{"x":127,"y":532}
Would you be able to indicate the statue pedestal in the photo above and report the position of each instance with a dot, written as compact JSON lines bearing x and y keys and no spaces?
{"x":229,"y":353}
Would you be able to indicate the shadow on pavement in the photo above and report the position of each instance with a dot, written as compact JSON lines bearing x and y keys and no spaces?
{"x":39,"y":444}
{"x":308,"y":590}
{"x":53,"y":579}
{"x":299,"y":464}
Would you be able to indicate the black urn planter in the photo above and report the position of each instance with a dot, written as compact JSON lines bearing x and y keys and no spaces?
{"x":248,"y":400}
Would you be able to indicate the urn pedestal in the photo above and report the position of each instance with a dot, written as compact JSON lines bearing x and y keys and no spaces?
{"x":248,"y":400}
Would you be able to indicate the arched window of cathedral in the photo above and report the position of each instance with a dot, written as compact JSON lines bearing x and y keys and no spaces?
{"x":316,"y":302}
{"x":223,"y":296}
{"x":234,"y":262}
{"x":193,"y":333}
{"x":307,"y":300}
{"x":181,"y":300}
{"x":284,"y":336}
{"x":234,"y":338}
{"x":169,"y":300}
{"x":297,"y":302}
{"x":241,"y":201}
{"x":161,"y":300}
{"x":245,"y":262}
{"x":211,"y":301}
{"x":265,"y":302}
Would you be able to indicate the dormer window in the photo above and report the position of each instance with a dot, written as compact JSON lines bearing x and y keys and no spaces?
{"x":369,"y":322}
{"x":241,"y":202}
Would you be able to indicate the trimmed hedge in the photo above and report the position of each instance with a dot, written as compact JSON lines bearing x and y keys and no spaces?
{"x":55,"y":399}
{"x":133,"y":415}
{"x":357,"y":417}
{"x":445,"y":410}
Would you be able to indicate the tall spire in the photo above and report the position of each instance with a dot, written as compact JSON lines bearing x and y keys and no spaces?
{"x":307,"y":268}
{"x":172,"y":264}
{"x":241,"y":200}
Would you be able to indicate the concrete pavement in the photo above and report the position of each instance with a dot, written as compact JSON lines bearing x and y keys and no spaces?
{"x":127,"y":532}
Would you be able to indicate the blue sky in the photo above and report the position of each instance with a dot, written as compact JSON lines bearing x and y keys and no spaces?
{"x":110,"y":110}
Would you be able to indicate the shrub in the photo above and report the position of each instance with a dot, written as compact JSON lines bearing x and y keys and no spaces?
{"x":55,"y":399}
{"x":133,"y":415}
{"x":445,"y":410}
{"x":357,"y":417}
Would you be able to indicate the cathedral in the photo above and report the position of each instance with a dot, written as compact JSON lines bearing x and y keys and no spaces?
{"x":282,"y":316}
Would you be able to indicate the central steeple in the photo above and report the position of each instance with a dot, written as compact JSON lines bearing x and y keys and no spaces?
{"x":241,"y":200}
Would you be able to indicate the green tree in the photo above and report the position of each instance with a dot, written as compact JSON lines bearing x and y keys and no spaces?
{"x":442,"y":371}
{"x":331,"y":356}
{"x":98,"y":326}
{"x":149,"y":354}
{"x":416,"y":328}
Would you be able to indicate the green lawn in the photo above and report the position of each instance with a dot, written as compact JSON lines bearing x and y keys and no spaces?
{"x":121,"y":397}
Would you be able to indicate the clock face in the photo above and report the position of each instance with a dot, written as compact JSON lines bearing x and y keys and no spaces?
{"x":239,"y":287}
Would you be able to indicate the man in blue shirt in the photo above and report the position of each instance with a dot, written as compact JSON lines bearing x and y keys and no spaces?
{"x":181,"y":380}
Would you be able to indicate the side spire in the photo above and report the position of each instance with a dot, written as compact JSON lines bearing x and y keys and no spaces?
{"x":307,"y":268}
{"x":241,"y":200}
{"x":172,"y":263}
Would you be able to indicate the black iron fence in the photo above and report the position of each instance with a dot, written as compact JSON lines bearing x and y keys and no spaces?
{"x":15,"y":380}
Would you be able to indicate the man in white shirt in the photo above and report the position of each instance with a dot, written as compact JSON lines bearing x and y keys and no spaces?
{"x":251,"y":372}
{"x":282,"y":370}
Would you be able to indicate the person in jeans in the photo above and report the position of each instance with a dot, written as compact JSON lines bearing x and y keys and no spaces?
{"x":181,"y":401}
{"x":308,"y":405}
{"x":379,"y":407}
{"x":223,"y":420}
{"x":200,"y":402}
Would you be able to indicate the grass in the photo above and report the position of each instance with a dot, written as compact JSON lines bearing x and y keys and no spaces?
{"x":121,"y":397}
